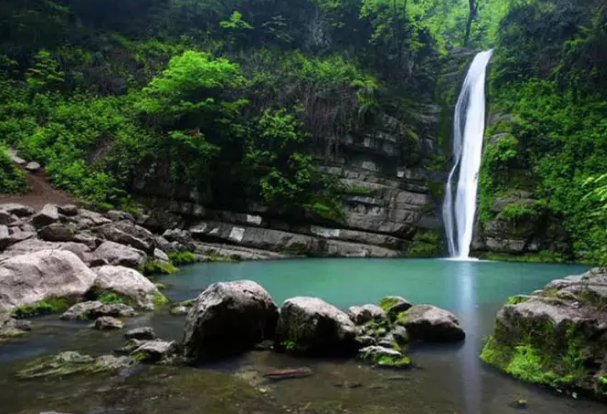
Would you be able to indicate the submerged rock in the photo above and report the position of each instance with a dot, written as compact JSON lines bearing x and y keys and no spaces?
{"x":107,"y":323}
{"x":11,"y":327}
{"x":94,"y":309}
{"x":557,"y":337}
{"x":229,"y":317}
{"x":384,"y":357}
{"x":431,"y":324}
{"x":70,"y":363}
{"x":154,"y":351}
{"x":48,"y":274}
{"x":311,"y":325}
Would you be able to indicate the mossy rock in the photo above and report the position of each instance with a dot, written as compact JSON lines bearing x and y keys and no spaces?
{"x":158,"y":267}
{"x":71,"y":363}
{"x":43,"y":307}
{"x":384,"y":357}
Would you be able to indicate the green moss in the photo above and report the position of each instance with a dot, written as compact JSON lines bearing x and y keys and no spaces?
{"x":160,"y":300}
{"x":392,"y":362}
{"x":159,"y":267}
{"x":219,"y":258}
{"x":291,"y":346}
{"x":43,"y":307}
{"x":182,"y":258}
{"x":357,"y":190}
{"x":113,"y":298}
{"x":515,"y":300}
{"x":387,"y":303}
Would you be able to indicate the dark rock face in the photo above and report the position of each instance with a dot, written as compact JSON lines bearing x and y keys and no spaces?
{"x":229,"y":318}
{"x":431,"y":324}
{"x":310,"y":325}
{"x":556,"y":337}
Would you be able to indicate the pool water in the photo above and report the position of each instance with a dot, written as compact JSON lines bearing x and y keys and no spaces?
{"x":448,"y":379}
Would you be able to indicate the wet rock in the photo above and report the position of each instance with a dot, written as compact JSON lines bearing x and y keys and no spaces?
{"x":431,"y":324}
{"x":120,"y":255}
{"x":30,"y":278}
{"x":107,"y":323}
{"x":179,"y":311}
{"x":363,"y":314}
{"x":48,"y":215}
{"x":94,"y":309}
{"x":32,"y":166}
{"x":365,"y":341}
{"x":58,"y":232}
{"x":143,"y":333}
{"x":68,"y":210}
{"x":400,"y":334}
{"x":71,"y":363}
{"x":11,"y":327}
{"x":384,"y":357}
{"x":154,"y":351}
{"x":229,"y":318}
{"x":18,"y":210}
{"x":387,"y":341}
{"x":313,"y":326}
{"x":288,"y":373}
{"x":393,"y":305}
{"x":160,"y":255}
{"x":130,"y":284}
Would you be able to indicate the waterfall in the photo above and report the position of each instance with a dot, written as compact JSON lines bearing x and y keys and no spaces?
{"x":459,"y":208}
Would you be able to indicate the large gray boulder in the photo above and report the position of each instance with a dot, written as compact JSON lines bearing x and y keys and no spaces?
{"x":136,"y":289}
{"x":313,"y":326}
{"x":556,"y":337}
{"x":125,"y":232}
{"x":428,"y":323}
{"x":18,"y":210}
{"x":120,"y":255}
{"x":228,"y":318}
{"x":57,"y":232}
{"x":30,"y":278}
{"x":48,"y":215}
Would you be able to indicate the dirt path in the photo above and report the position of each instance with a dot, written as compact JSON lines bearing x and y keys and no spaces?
{"x":41,"y":192}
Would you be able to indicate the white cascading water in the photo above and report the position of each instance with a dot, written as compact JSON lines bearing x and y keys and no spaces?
{"x":459,"y":208}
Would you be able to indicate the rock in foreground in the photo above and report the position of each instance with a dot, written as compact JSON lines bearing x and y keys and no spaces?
{"x":428,"y":323}
{"x":557,"y":337}
{"x":228,"y":318}
{"x":313,"y":326}
{"x":45,"y":275}
{"x":70,"y":363}
{"x":131,"y":285}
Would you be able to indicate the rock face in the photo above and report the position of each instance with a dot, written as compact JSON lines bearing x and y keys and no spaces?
{"x":130,"y":284}
{"x":556,"y":337}
{"x":431,"y":324}
{"x":47,"y":274}
{"x":313,"y":326}
{"x":229,"y":318}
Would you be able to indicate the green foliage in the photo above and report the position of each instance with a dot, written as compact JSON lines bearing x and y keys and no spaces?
{"x":158,"y":267}
{"x":113,"y":298}
{"x":43,"y":307}
{"x":426,"y":244}
{"x":45,"y":74}
{"x":182,"y":258}
{"x":515,"y":300}
{"x":12,"y":178}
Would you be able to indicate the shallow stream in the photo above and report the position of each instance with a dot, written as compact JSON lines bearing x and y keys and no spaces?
{"x":447,"y":380}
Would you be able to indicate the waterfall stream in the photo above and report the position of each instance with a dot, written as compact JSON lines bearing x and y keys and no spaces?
{"x":459,"y":208}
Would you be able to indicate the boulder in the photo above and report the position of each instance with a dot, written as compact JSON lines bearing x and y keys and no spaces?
{"x":92,"y":310}
{"x":34,"y":245}
{"x":107,"y":323}
{"x":48,"y":215}
{"x":48,"y":274}
{"x":431,"y":324}
{"x":393,"y":305}
{"x":118,"y":254}
{"x":160,"y":255}
{"x":163,"y":244}
{"x":135,"y":288}
{"x":18,"y":210}
{"x":5,"y":239}
{"x":229,"y":318}
{"x":116,"y":215}
{"x":363,"y":314}
{"x":313,"y":326}
{"x":154,"y":351}
{"x":116,"y":235}
{"x":183,"y":237}
{"x":87,"y":219}
{"x":68,"y":210}
{"x":142,"y":333}
{"x":556,"y":337}
{"x":57,"y":232}
{"x":7,"y":218}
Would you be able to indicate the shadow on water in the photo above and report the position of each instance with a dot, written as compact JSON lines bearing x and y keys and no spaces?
{"x":448,"y":379}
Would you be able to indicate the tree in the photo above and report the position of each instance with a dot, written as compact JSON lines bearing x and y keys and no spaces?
{"x":471,"y":17}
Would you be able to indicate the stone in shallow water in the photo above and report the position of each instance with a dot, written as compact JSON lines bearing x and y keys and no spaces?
{"x":431,"y":324}
{"x":154,"y":351}
{"x":142,"y":333}
{"x":288,"y":373}
{"x":71,"y":363}
{"x":93,"y":309}
{"x":393,"y":305}
{"x":107,"y":323}
{"x":384,"y":357}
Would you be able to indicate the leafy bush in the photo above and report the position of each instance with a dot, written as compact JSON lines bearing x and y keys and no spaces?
{"x":12,"y":178}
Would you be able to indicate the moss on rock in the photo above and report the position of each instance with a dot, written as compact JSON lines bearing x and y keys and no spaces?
{"x":43,"y":307}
